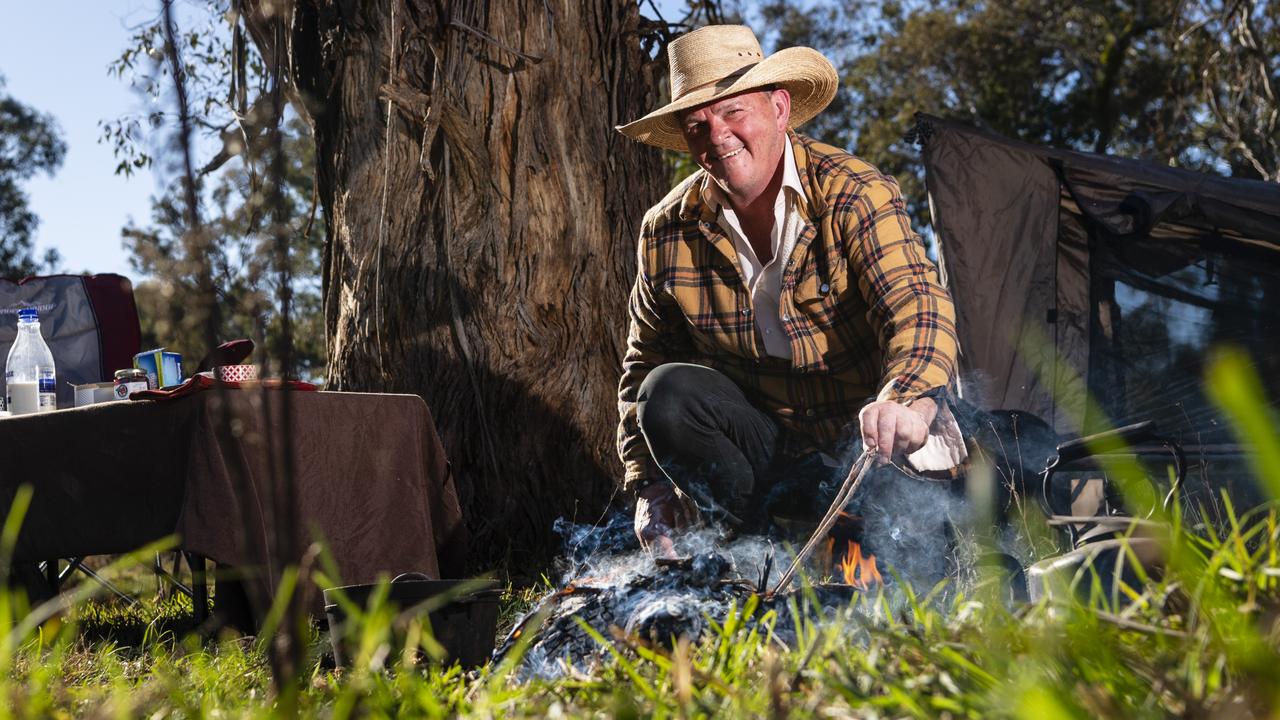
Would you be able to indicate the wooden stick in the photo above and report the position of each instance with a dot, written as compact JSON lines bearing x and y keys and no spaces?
{"x":850,"y":486}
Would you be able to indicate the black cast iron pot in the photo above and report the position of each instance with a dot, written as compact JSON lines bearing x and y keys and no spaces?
{"x":463,"y":615}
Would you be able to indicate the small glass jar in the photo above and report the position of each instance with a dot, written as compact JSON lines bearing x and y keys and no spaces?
{"x":129,"y":381}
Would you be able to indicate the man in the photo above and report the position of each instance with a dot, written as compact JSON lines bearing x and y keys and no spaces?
{"x":779,"y":289}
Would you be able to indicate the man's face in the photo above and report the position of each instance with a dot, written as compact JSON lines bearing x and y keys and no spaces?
{"x":739,"y":140}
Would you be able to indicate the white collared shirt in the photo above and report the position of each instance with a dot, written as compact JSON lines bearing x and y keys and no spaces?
{"x":764,"y":280}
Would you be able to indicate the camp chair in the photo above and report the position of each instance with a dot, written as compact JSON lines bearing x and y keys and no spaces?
{"x":90,"y":323}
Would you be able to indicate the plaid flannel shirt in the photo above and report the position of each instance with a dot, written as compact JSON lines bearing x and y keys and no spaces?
{"x":861,"y":304}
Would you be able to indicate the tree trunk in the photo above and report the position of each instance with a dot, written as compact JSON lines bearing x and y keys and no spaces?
{"x":482,"y":234}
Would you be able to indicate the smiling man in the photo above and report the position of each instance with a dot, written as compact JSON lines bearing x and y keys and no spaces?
{"x":782,"y":308}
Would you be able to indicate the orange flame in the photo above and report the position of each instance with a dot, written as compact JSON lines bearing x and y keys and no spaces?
{"x":859,"y":571}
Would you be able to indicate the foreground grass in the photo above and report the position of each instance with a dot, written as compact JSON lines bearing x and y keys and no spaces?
{"x":1201,"y":640}
{"x":1201,"y":643}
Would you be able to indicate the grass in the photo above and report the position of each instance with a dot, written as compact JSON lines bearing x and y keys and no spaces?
{"x":1202,"y":640}
{"x":1165,"y":654}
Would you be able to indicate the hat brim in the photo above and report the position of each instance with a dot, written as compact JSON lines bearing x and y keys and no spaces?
{"x":807,"y":75}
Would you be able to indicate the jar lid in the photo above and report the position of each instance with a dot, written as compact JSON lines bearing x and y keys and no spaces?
{"x":131,"y":374}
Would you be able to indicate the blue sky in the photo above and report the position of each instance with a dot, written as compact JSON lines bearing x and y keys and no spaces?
{"x":54,"y":56}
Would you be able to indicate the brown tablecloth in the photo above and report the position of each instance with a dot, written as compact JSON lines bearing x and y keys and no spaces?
{"x":370,"y":482}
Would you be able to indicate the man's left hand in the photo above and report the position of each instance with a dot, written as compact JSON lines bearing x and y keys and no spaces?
{"x":895,"y":429}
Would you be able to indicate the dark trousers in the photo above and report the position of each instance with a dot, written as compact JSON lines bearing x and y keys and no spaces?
{"x":724,"y":452}
{"x":714,"y":445}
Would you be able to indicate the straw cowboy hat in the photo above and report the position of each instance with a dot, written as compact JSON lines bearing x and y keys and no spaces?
{"x":717,"y":61}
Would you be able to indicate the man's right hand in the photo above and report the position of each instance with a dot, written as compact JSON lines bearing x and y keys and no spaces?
{"x":657,"y":508}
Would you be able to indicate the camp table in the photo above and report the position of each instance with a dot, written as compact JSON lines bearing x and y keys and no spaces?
{"x":370,"y":481}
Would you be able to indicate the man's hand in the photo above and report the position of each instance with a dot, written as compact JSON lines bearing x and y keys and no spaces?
{"x":895,"y":429}
{"x":657,"y":508}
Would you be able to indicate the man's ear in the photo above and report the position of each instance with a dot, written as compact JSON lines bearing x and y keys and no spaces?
{"x":780,"y":100}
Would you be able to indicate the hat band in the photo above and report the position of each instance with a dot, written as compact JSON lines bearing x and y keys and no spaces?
{"x":720,"y":83}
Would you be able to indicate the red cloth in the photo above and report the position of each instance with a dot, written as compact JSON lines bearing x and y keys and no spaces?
{"x":381,"y":506}
{"x":233,"y":352}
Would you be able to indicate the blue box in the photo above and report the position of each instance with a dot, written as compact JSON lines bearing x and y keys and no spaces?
{"x":163,"y":369}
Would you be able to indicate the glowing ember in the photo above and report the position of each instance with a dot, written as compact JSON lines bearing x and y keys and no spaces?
{"x":859,"y":571}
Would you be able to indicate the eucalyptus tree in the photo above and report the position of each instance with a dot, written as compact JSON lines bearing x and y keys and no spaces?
{"x":29,"y":143}
{"x":1190,"y":84}
{"x":478,"y":214}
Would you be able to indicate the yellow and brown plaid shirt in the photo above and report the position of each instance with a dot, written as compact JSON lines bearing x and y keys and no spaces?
{"x":861,"y":304}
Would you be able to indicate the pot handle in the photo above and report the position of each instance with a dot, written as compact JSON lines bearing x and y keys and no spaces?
{"x":410,"y":577}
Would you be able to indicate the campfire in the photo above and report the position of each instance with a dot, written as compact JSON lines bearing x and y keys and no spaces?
{"x":856,"y":569}
{"x":658,"y":600}
{"x":843,"y":554}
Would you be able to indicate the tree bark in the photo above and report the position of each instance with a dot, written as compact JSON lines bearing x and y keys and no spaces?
{"x":482,"y":233}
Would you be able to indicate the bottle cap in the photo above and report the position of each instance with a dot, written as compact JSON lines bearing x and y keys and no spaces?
{"x":28,"y":315}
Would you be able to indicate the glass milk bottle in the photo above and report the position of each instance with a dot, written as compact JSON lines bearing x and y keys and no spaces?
{"x":28,"y":371}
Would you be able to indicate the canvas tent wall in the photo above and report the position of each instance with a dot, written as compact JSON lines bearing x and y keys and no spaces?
{"x":1075,"y":272}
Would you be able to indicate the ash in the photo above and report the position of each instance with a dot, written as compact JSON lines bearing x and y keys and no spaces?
{"x":652,"y":601}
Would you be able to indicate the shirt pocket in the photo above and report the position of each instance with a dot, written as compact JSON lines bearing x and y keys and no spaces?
{"x":822,"y":297}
